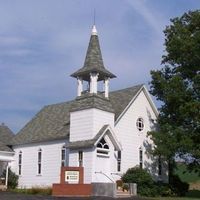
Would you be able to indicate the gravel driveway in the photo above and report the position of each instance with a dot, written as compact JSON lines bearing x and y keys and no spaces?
{"x":18,"y":196}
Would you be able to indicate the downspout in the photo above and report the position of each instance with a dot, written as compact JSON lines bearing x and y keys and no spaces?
{"x":6,"y":183}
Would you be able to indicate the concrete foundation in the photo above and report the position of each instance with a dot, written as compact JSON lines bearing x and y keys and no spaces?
{"x":104,"y":189}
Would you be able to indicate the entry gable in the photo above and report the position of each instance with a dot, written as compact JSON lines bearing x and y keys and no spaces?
{"x":105,"y":130}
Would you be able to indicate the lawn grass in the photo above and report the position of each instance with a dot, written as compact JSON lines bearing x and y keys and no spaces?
{"x":171,"y":198}
{"x":185,"y":175}
{"x":35,"y":190}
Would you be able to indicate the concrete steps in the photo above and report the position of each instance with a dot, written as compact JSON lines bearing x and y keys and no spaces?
{"x":121,"y":194}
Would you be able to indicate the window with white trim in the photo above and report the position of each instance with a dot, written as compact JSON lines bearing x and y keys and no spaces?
{"x":102,"y":148}
{"x":39,"y":162}
{"x":80,"y":158}
{"x":63,"y":156}
{"x":141,"y":157}
{"x":119,"y":155}
{"x":20,"y":163}
{"x":140,"y":124}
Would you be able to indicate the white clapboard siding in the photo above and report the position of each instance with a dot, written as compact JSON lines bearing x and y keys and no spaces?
{"x":129,"y":136}
{"x":85,"y":124}
{"x":87,"y":162}
{"x":103,"y":166}
{"x":51,"y":163}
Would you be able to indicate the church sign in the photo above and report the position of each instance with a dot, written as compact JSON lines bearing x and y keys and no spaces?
{"x":72,"y":176}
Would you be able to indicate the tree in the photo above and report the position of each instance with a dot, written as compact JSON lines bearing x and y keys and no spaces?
{"x":177,"y":86}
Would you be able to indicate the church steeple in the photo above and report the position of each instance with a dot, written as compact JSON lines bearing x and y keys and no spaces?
{"x":93,"y":69}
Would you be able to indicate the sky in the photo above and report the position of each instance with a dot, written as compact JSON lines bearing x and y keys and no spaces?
{"x":43,"y":42}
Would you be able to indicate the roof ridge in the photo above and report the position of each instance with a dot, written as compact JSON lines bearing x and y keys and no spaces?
{"x":60,"y":103}
{"x":71,"y":101}
{"x":139,"y":85}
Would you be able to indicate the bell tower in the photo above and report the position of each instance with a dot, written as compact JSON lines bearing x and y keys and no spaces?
{"x":93,"y":69}
{"x":92,"y":108}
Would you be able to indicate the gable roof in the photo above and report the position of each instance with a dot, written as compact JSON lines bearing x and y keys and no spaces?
{"x":53,"y":121}
{"x":106,"y":129}
{"x":6,"y":136}
{"x":87,"y":143}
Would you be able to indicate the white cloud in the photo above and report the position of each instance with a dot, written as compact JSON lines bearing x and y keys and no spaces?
{"x":149,"y":15}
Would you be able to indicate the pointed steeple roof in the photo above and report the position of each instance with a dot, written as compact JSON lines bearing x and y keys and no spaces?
{"x":93,"y":61}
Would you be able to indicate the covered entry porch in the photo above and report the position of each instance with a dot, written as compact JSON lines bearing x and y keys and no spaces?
{"x":5,"y":160}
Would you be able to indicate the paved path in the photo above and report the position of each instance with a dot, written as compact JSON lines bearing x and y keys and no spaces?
{"x":18,"y":196}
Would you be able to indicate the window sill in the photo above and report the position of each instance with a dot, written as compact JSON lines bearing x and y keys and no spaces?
{"x":102,"y":155}
{"x":39,"y":175}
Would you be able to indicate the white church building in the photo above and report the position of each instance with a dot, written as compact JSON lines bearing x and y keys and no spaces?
{"x":104,"y":133}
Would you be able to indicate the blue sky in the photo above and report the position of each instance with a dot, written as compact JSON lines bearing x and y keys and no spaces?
{"x":43,"y":42}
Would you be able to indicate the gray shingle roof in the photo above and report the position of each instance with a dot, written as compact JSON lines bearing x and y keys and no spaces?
{"x":6,"y":136}
{"x":89,"y":100}
{"x":52,"y":122}
{"x":86,"y":143}
{"x":4,"y":147}
{"x":93,"y":62}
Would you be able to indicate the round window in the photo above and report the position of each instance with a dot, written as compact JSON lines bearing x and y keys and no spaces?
{"x":140,"y":124}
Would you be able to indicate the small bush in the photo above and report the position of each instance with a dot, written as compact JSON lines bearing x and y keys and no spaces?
{"x":125,"y":187}
{"x":119,"y":183}
{"x":12,"y":179}
{"x":147,"y":187}
{"x":145,"y":184}
{"x":137,"y":175}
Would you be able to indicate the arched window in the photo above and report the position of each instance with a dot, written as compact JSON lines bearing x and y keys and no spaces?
{"x":20,"y":163}
{"x":119,"y":157}
{"x":39,"y":161}
{"x":80,"y":158}
{"x":102,"y":148}
{"x":63,"y":156}
{"x":140,"y":124}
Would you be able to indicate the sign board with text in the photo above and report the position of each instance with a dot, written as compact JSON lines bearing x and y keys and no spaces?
{"x":72,"y":176}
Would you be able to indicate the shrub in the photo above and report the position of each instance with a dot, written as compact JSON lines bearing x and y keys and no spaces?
{"x":125,"y":187}
{"x":12,"y":178}
{"x":145,"y":184}
{"x":137,"y":175}
{"x":119,"y":183}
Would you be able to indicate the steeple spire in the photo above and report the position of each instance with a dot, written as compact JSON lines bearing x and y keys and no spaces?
{"x":93,"y":69}
{"x":94,"y":30}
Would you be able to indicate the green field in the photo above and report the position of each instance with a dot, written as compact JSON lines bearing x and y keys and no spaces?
{"x":172,"y":198}
{"x":192,"y":178}
{"x":185,"y":175}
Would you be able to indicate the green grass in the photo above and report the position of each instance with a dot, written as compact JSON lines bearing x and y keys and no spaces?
{"x":35,"y":190}
{"x":185,"y":175}
{"x":171,"y":198}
